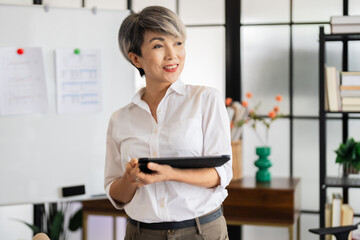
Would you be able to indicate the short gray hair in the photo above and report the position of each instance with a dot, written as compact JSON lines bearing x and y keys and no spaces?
{"x":154,"y":18}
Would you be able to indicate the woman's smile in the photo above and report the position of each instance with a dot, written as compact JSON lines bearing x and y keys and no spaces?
{"x":171,"y":68}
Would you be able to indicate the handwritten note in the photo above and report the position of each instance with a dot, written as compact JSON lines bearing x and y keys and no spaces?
{"x":78,"y":77}
{"x":22,"y":82}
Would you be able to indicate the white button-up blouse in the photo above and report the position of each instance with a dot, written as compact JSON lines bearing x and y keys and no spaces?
{"x":192,"y":121}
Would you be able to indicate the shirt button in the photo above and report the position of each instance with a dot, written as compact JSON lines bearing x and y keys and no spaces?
{"x":162,"y":205}
{"x":154,"y":154}
{"x":155,"y":131}
{"x":171,"y":232}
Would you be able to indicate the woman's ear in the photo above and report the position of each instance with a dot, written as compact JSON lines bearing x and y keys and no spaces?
{"x":134,"y":59}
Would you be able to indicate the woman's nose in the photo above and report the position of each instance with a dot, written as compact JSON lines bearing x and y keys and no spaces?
{"x":170,"y":53}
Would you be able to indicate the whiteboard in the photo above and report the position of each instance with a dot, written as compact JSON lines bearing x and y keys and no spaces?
{"x":41,"y":153}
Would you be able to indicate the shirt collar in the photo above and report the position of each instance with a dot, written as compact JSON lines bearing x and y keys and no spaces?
{"x":178,"y":87}
{"x":137,"y":98}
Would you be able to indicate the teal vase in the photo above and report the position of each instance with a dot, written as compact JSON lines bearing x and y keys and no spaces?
{"x":263,"y":164}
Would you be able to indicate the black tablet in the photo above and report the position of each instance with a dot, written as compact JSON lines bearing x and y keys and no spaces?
{"x":185,"y":162}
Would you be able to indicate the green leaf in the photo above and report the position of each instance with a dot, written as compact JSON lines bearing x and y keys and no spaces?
{"x":345,"y":152}
{"x":240,"y":123}
{"x":350,"y":144}
{"x":56,"y":226}
{"x":349,"y":153}
{"x":353,"y":155}
{"x":357,"y":149}
{"x":76,"y":221}
{"x":339,"y":160}
{"x":357,"y":165}
{"x":34,"y":228}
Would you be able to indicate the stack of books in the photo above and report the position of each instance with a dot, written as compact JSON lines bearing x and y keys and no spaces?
{"x":338,"y":214}
{"x":342,"y":90}
{"x":350,"y":91}
{"x":345,"y":24}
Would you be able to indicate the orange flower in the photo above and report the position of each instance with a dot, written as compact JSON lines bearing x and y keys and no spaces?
{"x":228,"y":101}
{"x":253,"y":118}
{"x":231,"y":124}
{"x":272,"y":114}
{"x":245,"y":103}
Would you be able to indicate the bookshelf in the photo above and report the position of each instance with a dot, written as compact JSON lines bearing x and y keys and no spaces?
{"x":343,"y":182}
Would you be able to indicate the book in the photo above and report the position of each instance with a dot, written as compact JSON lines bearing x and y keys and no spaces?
{"x":349,"y":87}
{"x":347,"y":216}
{"x":332,"y":84}
{"x":350,"y":101}
{"x":345,"y":28}
{"x":350,"y":78}
{"x":351,"y":108}
{"x":345,"y":19}
{"x":328,"y":219}
{"x":345,"y":24}
{"x":349,"y":93}
{"x":336,"y":211}
{"x":326,"y":97}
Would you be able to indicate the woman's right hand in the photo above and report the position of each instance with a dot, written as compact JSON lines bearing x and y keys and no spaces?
{"x":140,"y":179}
{"x":123,"y":189}
{"x":132,"y":172}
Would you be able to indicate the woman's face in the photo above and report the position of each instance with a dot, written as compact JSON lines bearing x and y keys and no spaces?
{"x":163,"y":57}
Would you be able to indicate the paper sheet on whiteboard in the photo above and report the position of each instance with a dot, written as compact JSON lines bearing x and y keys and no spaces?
{"x":22,"y":82}
{"x":78,"y":79}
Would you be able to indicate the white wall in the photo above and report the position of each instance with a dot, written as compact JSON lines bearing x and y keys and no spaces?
{"x":17,"y":2}
{"x":12,"y":229}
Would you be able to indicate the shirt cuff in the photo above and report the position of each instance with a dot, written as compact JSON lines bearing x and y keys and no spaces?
{"x":223,"y":179}
{"x":113,"y":202}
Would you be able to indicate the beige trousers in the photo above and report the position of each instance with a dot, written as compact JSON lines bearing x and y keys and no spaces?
{"x":215,"y":230}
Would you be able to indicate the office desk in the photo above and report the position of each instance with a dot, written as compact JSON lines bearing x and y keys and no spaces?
{"x":249,"y":203}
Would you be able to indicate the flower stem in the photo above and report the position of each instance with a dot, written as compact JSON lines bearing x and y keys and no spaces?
{"x":258,"y":136}
{"x":267,"y":135}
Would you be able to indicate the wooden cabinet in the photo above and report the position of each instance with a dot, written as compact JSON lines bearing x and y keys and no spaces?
{"x":276,"y":202}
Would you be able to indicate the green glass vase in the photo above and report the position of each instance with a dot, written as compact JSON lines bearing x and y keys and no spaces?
{"x":263,"y":164}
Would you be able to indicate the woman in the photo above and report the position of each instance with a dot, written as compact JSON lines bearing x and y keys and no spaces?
{"x":166,"y":119}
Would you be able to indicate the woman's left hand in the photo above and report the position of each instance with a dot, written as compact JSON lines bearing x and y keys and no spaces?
{"x":202,"y":177}
{"x":161,"y":173}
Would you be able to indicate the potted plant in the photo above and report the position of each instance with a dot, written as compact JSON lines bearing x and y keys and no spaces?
{"x":348,"y":154}
{"x":54,"y":220}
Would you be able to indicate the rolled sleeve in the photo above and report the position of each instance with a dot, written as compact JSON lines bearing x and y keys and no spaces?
{"x":113,"y":202}
{"x":217,"y":139}
{"x":225,"y":177}
{"x":113,"y":167}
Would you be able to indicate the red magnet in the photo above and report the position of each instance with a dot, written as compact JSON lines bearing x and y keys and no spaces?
{"x":20,"y":51}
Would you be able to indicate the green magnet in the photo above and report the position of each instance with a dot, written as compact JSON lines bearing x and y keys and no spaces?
{"x":77,"y":51}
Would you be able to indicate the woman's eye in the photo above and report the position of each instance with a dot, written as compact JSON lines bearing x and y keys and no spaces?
{"x":157,"y":46}
{"x":179,"y":43}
